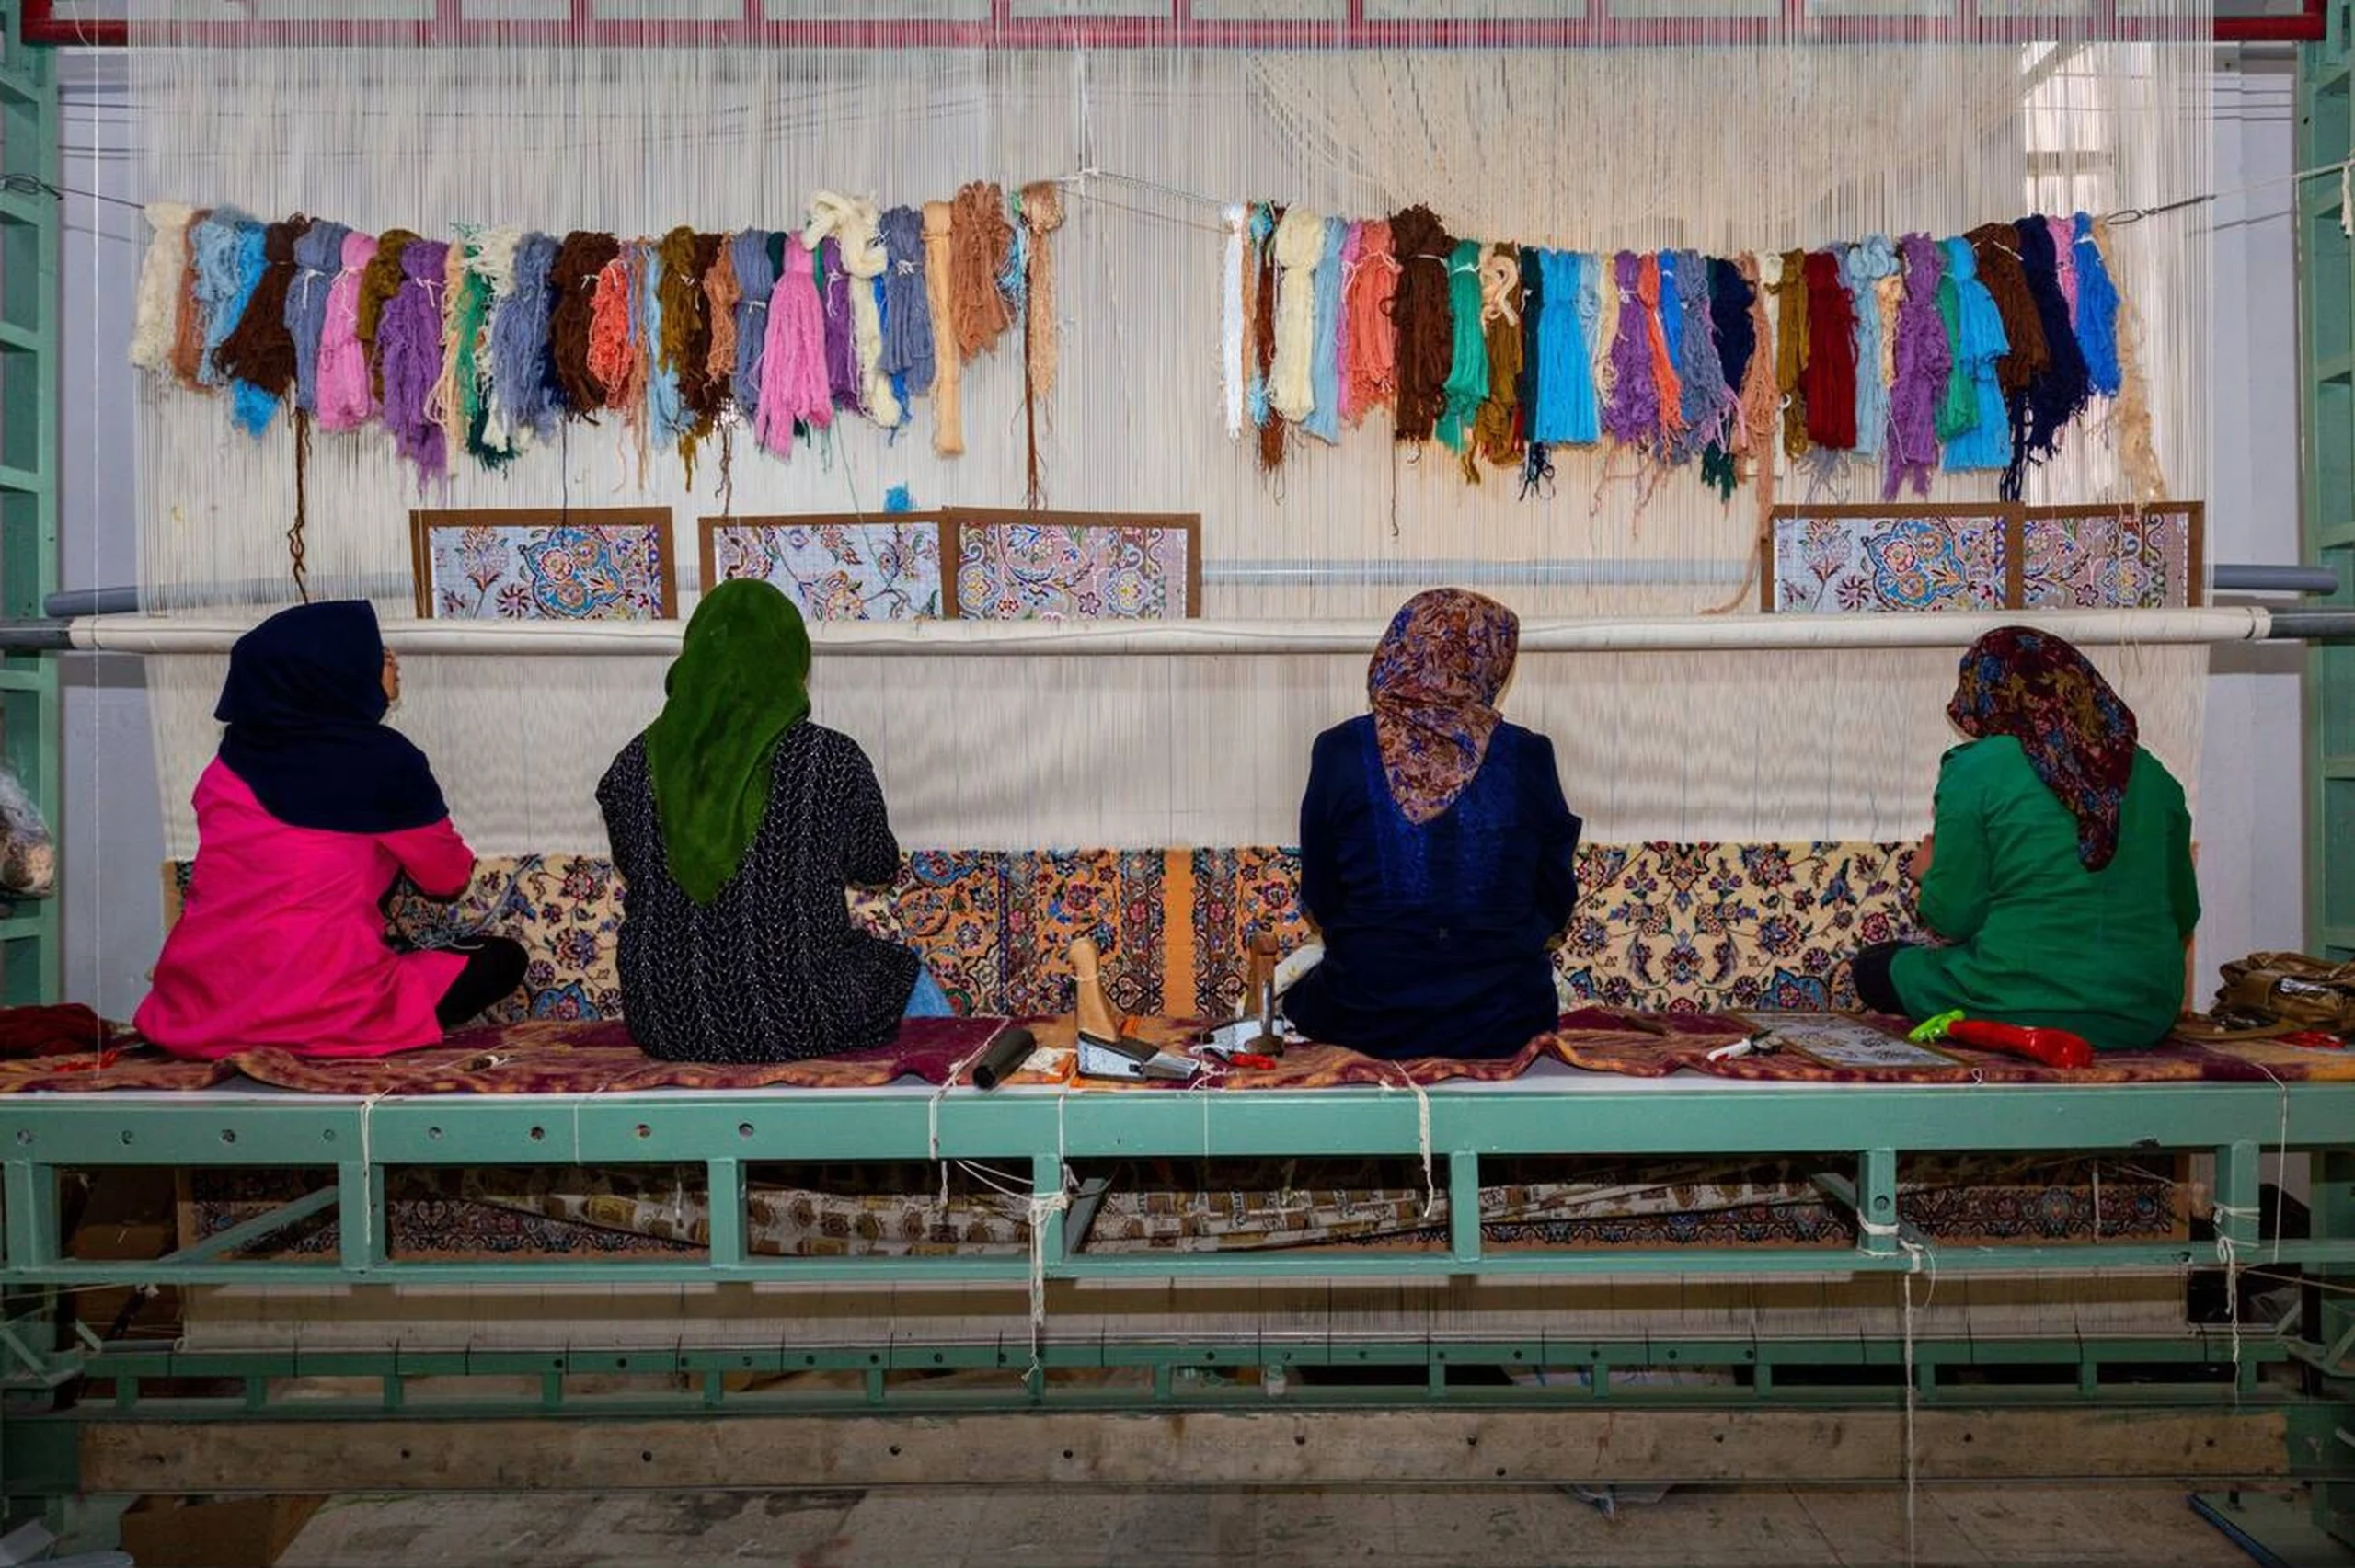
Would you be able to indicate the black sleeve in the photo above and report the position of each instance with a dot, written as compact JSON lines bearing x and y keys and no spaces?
{"x":1320,"y":872}
{"x":871,"y":855}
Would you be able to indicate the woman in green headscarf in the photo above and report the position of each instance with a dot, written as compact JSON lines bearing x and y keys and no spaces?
{"x":736,"y":824}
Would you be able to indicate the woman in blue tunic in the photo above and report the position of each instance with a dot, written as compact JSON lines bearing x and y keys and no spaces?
{"x":1435,"y":850}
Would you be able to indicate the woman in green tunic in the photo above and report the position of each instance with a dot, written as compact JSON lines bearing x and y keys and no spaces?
{"x":2058,"y":872}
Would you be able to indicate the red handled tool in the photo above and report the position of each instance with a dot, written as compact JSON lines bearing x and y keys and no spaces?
{"x":2053,"y":1048}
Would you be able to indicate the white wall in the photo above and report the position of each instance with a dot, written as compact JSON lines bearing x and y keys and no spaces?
{"x":2252,"y":866}
{"x":2253,"y":858}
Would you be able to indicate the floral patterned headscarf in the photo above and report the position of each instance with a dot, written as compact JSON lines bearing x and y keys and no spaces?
{"x":1433,"y":684}
{"x":2079,"y":735}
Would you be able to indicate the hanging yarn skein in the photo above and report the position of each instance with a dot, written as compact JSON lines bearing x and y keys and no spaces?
{"x":1925,"y":362}
{"x":1631,"y":416}
{"x":187,"y":355}
{"x":948,"y":355}
{"x":1042,"y":214}
{"x":1423,"y":318}
{"x":409,"y":357}
{"x":1495,"y":425}
{"x":1368,"y":288}
{"x":1829,"y":380}
{"x":1265,"y":415}
{"x":319,"y":257}
{"x":907,"y":305}
{"x":156,"y":306}
{"x":1230,"y":331}
{"x":379,"y":281}
{"x":1662,"y":315}
{"x":1700,"y":371}
{"x":793,"y":359}
{"x":489,"y":261}
{"x":1299,"y":250}
{"x":345,"y":398}
{"x":755,"y":281}
{"x":1467,"y":376}
{"x":1792,"y":344}
{"x":2096,"y":316}
{"x":1868,"y":262}
{"x":2137,"y":457}
{"x":1324,"y":419}
{"x":225,"y":276}
{"x":722,"y":296}
{"x":1973,"y":421}
{"x":981,"y":240}
{"x":258,"y":353}
{"x":1736,"y":335}
{"x":580,"y":265}
{"x":523,"y":377}
{"x":2058,"y":391}
{"x":857,"y":225}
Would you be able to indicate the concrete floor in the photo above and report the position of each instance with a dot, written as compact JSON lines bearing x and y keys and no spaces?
{"x":2019,"y":1527}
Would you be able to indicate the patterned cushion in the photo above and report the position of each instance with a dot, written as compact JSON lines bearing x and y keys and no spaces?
{"x":1659,"y":926}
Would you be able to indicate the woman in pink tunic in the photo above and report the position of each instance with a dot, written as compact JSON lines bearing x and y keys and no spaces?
{"x":304,"y":821}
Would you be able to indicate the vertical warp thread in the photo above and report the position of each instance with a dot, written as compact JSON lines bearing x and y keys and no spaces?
{"x":1924,"y":360}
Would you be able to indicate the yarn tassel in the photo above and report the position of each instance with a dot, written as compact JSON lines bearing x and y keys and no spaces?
{"x":1830,"y":379}
{"x":1867,"y":265}
{"x":907,"y":306}
{"x":1467,"y":376}
{"x":1925,"y":362}
{"x":1369,"y":290}
{"x":523,"y":372}
{"x":154,"y":316}
{"x":1231,"y":371}
{"x":794,"y":387}
{"x":756,"y":281}
{"x":948,"y":359}
{"x":1042,"y":214}
{"x":1299,"y":250}
{"x":1323,"y":420}
{"x":409,"y":357}
{"x":345,"y":398}
{"x":1496,"y":428}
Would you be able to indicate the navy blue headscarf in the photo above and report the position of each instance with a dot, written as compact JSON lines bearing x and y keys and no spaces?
{"x":303,"y":703}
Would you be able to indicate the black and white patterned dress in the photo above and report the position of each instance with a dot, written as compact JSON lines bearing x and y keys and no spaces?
{"x":772,"y":969}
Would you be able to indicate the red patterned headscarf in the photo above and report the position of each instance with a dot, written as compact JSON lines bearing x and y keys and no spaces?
{"x":1433,"y":684}
{"x":2079,"y":735}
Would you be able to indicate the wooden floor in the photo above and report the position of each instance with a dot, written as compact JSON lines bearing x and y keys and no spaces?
{"x":2016,"y":1526}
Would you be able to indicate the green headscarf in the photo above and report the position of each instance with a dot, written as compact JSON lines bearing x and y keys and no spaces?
{"x":740,"y":680}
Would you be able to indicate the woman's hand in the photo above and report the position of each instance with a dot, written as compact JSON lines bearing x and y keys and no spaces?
{"x":1919,"y":866}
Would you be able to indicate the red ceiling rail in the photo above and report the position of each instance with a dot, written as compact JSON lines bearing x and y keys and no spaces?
{"x":1001,"y":30}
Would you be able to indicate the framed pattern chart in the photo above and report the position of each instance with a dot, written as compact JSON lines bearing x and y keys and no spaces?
{"x":968,"y":564}
{"x":544,"y":564}
{"x":1829,"y":560}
